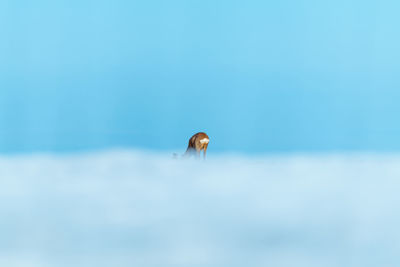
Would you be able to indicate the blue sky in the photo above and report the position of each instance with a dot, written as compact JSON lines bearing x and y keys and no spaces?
{"x":257,"y":76}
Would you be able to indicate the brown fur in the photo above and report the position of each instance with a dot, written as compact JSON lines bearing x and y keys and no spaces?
{"x":195,"y":146}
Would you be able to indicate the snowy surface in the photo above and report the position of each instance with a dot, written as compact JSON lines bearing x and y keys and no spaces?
{"x":127,"y":208}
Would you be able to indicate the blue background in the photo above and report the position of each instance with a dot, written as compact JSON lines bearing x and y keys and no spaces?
{"x":257,"y":76}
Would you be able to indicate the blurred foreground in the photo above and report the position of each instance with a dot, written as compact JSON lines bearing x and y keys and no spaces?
{"x":127,"y":208}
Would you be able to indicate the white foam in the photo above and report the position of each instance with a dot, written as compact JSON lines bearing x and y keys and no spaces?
{"x":138,"y":209}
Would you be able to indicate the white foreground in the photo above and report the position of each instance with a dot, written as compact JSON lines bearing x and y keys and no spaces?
{"x":126,"y":208}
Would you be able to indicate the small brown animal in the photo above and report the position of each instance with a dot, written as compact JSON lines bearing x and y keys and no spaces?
{"x":197,"y":143}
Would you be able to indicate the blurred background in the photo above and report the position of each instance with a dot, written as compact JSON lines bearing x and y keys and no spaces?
{"x":299,"y":98}
{"x":280,"y":76}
